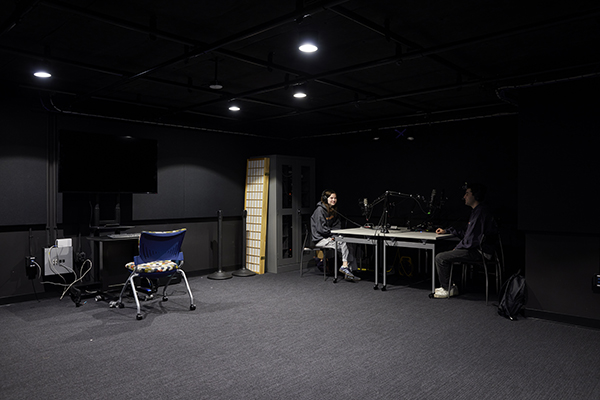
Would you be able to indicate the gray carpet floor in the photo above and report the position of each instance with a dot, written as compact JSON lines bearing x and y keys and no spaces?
{"x":279,"y":336}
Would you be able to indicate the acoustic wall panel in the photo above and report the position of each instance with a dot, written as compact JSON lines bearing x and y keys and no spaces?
{"x":255,"y":203}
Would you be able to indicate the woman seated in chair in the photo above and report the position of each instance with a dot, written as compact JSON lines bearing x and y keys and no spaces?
{"x":323,"y":220}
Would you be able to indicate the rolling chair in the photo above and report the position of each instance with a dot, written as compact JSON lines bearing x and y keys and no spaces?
{"x":160,"y":256}
{"x":492,"y":256}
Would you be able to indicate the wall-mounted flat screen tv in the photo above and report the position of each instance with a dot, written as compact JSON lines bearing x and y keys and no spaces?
{"x":100,"y":163}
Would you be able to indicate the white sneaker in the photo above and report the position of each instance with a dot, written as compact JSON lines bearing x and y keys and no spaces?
{"x":443,"y":293}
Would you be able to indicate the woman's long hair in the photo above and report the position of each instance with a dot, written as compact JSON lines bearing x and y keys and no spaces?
{"x":331,"y":210}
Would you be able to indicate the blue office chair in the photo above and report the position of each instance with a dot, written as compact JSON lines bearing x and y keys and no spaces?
{"x":160,"y":256}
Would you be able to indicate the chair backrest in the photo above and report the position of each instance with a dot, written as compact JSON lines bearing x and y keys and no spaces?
{"x":308,"y":240}
{"x":154,"y":246}
{"x":491,"y":247}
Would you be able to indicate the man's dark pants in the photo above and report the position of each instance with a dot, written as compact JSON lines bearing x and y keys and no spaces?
{"x":444,"y":261}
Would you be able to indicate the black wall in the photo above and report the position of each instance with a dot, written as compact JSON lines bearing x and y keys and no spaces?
{"x":441,"y":157}
{"x":539,"y":168}
{"x":558,"y":158}
{"x":558,"y":175}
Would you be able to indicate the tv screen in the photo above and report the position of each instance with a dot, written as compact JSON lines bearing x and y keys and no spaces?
{"x":98,"y":163}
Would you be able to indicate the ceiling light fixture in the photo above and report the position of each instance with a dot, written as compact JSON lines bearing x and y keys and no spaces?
{"x":216,"y":85}
{"x":42,"y":74}
{"x":308,"y":41}
{"x":300,"y":95}
{"x":308,"y":47}
{"x":233,"y":106}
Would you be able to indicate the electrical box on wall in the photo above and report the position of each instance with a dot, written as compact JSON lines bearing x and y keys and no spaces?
{"x":58,"y":260}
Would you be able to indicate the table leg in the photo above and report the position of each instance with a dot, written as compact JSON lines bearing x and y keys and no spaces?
{"x":384,"y":269}
{"x":433,"y":270}
{"x":377,"y":265}
{"x":335,"y":273}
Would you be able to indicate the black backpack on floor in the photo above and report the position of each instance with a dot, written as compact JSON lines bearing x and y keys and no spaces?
{"x":513,"y":296}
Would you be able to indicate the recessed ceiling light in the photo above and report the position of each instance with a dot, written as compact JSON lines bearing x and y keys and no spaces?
{"x":299,"y":95}
{"x":42,"y":74}
{"x":234,"y":108}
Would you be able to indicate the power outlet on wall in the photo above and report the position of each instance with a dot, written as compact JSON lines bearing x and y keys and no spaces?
{"x":31,"y":267}
{"x":58,"y":260}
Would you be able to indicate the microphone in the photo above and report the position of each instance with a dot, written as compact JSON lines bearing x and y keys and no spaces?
{"x":433,"y":193}
{"x":365,"y":206}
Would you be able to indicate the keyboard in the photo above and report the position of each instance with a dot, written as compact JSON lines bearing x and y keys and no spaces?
{"x":124,"y":236}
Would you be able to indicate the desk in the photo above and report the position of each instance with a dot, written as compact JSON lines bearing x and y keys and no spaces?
{"x":415,"y":240}
{"x":395,"y":238}
{"x":110,"y":256}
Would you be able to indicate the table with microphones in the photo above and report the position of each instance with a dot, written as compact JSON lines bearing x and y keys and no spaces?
{"x":383,"y":235}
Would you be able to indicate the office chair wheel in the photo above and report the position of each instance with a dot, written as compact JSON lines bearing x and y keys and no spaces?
{"x":335,"y":280}
{"x":192,"y":307}
{"x":121,"y":305}
{"x":165,"y":298}
{"x":139,"y":317}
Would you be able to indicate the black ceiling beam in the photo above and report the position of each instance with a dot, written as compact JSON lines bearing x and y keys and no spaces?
{"x":186,"y":41}
{"x":22,"y":8}
{"x":203,"y":49}
{"x":412,"y":55}
{"x":383,"y":31}
{"x":453,"y":46}
{"x":277,"y":86}
{"x":324,"y":81}
{"x":433,"y":90}
{"x":102,"y":70}
{"x":536,"y":26}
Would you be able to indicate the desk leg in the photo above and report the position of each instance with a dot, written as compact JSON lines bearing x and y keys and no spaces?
{"x":335,"y":273}
{"x":384,"y":269}
{"x":433,"y":270}
{"x":377,"y":264}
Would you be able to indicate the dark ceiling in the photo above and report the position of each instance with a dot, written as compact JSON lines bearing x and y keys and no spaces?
{"x":381,"y":64}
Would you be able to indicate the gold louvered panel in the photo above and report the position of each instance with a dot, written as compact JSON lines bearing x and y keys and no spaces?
{"x":255,"y":204}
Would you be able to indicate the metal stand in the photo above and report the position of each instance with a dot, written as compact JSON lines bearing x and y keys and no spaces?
{"x":244,"y":271}
{"x":219,"y":275}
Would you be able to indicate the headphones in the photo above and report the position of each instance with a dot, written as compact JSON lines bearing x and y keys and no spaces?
{"x":325,"y":196}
